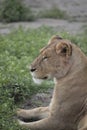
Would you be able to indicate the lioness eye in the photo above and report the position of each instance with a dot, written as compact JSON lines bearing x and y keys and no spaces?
{"x":64,"y":50}
{"x":45,"y":57}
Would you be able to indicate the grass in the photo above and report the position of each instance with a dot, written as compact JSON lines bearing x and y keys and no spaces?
{"x":54,"y":13}
{"x":17,"y":51}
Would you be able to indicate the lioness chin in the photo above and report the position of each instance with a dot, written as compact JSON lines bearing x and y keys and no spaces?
{"x":64,"y":62}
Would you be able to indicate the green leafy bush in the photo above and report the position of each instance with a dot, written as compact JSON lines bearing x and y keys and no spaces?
{"x":17,"y":51}
{"x":15,"y":10}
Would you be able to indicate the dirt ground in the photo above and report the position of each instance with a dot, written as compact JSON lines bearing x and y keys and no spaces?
{"x":59,"y":25}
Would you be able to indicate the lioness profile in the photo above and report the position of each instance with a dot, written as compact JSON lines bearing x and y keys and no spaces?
{"x":64,"y":62}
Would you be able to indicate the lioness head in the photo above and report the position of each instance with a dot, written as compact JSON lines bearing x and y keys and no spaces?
{"x":53,"y":60}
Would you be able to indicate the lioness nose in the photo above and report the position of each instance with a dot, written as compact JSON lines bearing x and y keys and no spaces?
{"x":32,"y":69}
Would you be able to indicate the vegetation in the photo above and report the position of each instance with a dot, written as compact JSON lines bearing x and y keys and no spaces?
{"x":15,"y":10}
{"x":17,"y":50}
{"x":53,"y":12}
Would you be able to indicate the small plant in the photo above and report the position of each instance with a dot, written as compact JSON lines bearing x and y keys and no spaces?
{"x":54,"y":12}
{"x":15,"y":10}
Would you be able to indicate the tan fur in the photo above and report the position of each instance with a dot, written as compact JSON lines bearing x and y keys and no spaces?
{"x":64,"y":62}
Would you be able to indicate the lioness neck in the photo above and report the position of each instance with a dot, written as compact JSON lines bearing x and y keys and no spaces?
{"x":74,"y":84}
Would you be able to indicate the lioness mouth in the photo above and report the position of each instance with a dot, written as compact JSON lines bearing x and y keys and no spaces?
{"x":45,"y":77}
{"x":39,"y":80}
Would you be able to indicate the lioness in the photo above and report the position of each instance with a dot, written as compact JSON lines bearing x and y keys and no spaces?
{"x":67,"y":65}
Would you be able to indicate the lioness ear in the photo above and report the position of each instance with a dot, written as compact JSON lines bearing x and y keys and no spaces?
{"x":57,"y":37}
{"x":54,"y":39}
{"x":64,"y":48}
